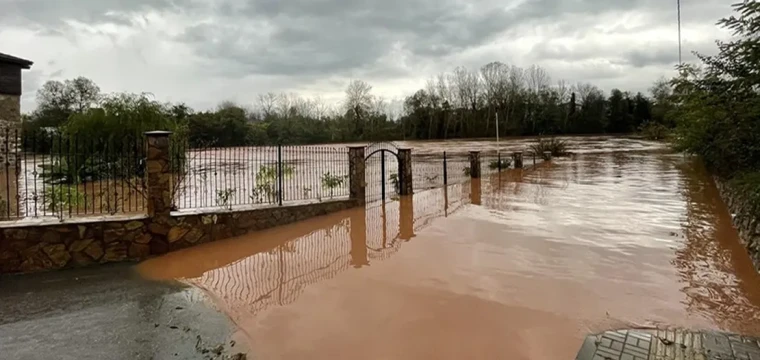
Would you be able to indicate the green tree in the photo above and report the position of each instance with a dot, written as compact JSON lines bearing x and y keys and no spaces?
{"x":718,"y":112}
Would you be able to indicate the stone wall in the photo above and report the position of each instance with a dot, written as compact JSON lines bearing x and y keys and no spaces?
{"x":31,"y":247}
{"x":10,"y":120}
{"x":10,"y":111}
{"x":745,"y":222}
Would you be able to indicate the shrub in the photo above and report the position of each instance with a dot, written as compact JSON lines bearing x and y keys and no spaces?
{"x":266,"y":183}
{"x":503,"y":164}
{"x":330,"y":182}
{"x":654,"y":131}
{"x":556,"y":146}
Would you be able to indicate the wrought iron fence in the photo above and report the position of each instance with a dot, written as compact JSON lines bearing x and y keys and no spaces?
{"x":52,"y":174}
{"x":227,"y":177}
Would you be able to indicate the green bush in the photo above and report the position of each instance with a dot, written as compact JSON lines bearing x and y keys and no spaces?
{"x":718,"y":116}
{"x":331,"y":182}
{"x":495,"y":164}
{"x":108,"y":141}
{"x":556,"y":146}
{"x":654,"y":131}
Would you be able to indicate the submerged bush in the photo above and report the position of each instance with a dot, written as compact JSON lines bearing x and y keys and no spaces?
{"x":654,"y":131}
{"x":556,"y":146}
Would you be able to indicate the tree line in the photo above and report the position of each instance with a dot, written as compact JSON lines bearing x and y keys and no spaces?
{"x":459,"y":104}
{"x":716,"y":104}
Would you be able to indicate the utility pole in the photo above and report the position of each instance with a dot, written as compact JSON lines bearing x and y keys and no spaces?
{"x":678,"y":3}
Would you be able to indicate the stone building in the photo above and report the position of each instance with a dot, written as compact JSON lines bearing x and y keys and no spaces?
{"x":10,"y":118}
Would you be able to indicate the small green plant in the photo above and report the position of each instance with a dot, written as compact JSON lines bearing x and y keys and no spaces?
{"x":496,"y":164}
{"x":266,"y":183}
{"x":59,"y":198}
{"x":553,"y":145}
{"x":466,"y":171}
{"x":223,"y":198}
{"x":331,"y":182}
{"x":396,"y":183}
{"x":109,"y":206}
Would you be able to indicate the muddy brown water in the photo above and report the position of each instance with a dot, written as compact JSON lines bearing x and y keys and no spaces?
{"x":519,"y":265}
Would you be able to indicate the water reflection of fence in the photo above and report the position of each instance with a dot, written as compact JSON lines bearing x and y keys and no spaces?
{"x":279,"y":276}
{"x":260,"y":175}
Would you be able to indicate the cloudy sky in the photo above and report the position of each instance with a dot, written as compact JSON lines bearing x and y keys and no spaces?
{"x":203,"y":52}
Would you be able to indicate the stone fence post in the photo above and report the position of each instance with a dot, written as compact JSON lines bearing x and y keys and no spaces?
{"x":159,"y":175}
{"x":405,"y":169}
{"x":474,"y":164}
{"x":356,"y":174}
{"x":517,"y":159}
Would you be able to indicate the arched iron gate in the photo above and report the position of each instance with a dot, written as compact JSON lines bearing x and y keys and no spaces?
{"x":383,"y":171}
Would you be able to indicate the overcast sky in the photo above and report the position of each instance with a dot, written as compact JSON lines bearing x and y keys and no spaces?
{"x":203,"y":52}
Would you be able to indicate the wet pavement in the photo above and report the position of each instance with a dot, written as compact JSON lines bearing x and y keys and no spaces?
{"x":518,"y":265}
{"x":107,"y":313}
{"x":674,"y":344}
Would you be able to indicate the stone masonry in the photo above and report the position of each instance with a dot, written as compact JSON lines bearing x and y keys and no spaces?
{"x":35,"y":246}
{"x":356,"y":174}
{"x":474,"y":158}
{"x":517,"y":159}
{"x":746,"y":222}
{"x":65,"y":245}
{"x":405,"y":169}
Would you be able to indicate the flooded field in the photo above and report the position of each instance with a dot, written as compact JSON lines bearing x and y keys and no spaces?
{"x":518,"y":265}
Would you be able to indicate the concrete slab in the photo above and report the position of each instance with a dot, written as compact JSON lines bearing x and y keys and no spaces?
{"x":670,"y":344}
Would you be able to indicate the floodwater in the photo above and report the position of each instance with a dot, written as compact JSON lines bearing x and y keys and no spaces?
{"x":518,"y":265}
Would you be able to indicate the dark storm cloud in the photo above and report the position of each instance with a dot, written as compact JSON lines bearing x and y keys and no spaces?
{"x":49,"y":14}
{"x":313,"y":39}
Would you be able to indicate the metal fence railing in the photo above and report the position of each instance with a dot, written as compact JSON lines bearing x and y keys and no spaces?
{"x":52,"y":174}
{"x":257,"y":175}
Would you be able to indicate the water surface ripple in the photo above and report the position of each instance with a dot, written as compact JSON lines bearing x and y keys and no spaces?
{"x":515,"y":266}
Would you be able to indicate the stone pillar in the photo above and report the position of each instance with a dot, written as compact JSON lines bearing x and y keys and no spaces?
{"x":406,"y":218}
{"x":475,"y":191}
{"x":358,"y":233}
{"x":474,"y":164}
{"x":159,"y":176}
{"x":517,"y":159}
{"x":405,"y":171}
{"x":356,"y":174}
{"x":10,"y":124}
{"x":547,"y":155}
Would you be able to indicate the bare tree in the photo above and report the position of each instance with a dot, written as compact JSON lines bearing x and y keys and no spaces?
{"x":358,"y":97}
{"x":267,"y":104}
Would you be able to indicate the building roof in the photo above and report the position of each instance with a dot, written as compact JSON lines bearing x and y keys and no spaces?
{"x":9,"y":59}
